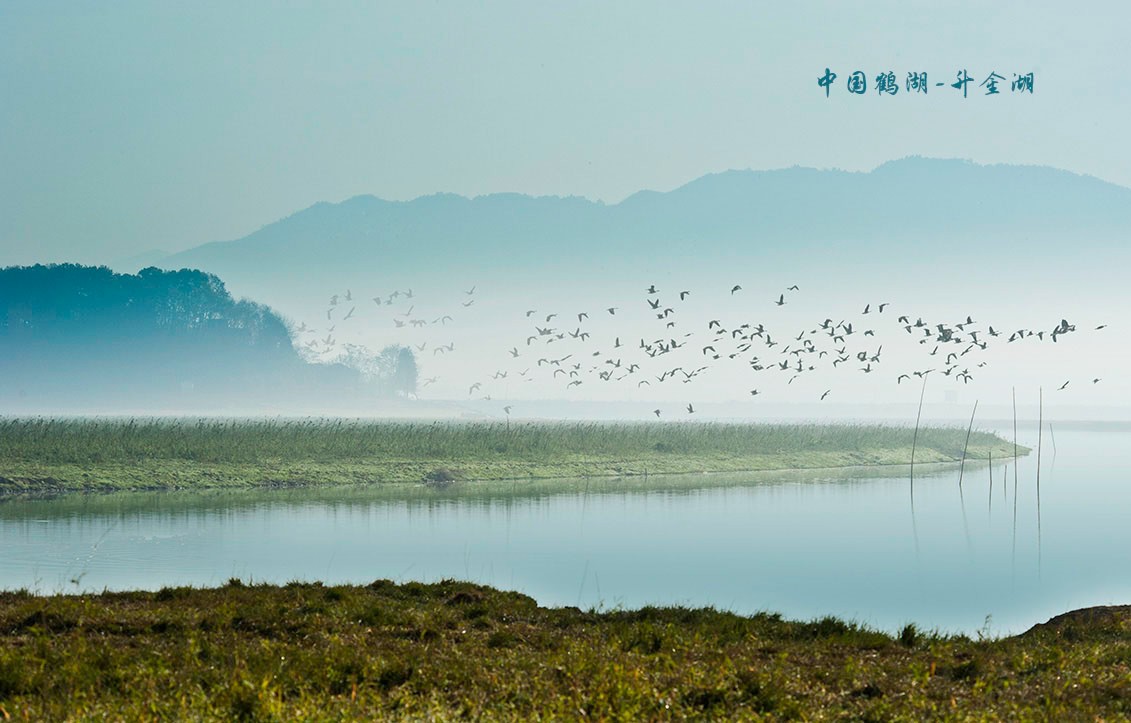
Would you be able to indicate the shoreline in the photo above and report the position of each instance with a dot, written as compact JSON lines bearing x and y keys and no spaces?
{"x":21,"y":479}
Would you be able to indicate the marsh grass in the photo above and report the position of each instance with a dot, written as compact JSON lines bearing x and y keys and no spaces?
{"x":185,"y":453}
{"x":457,"y":650}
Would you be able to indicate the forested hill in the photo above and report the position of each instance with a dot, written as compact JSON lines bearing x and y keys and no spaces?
{"x":81,"y":338}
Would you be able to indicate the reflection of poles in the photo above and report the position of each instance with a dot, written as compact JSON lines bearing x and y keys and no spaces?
{"x":1052,"y":438}
{"x":914,"y":441}
{"x":961,"y":468}
{"x":990,"y":508}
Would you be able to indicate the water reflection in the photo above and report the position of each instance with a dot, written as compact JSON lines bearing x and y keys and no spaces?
{"x":802,"y":543}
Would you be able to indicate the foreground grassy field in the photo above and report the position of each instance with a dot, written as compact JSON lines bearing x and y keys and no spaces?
{"x":456,"y":650}
{"x":50,"y":455}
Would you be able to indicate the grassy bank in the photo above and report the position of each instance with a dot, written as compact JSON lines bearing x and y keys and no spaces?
{"x":456,"y":650}
{"x":48,"y":455}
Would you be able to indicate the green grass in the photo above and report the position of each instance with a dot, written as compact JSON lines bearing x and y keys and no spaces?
{"x":102,"y":454}
{"x":456,"y":650}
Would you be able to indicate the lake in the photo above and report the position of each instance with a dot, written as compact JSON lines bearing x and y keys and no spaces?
{"x":806,"y":544}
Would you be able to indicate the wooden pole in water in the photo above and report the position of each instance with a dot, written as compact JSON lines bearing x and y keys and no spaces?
{"x":1013,"y":552}
{"x":1040,"y":428}
{"x":1015,"y":444}
{"x":915,"y":440}
{"x":965,"y":446}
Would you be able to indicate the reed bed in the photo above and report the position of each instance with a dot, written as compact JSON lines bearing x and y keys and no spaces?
{"x":81,"y":441}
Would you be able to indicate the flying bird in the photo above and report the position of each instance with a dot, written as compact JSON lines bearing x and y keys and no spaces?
{"x":825,"y":394}
{"x":735,"y":288}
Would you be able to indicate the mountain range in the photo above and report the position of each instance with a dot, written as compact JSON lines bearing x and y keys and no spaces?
{"x":939,"y":211}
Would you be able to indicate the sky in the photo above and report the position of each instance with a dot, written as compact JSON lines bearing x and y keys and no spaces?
{"x":132,"y":126}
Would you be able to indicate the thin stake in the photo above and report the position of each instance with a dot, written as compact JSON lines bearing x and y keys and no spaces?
{"x":966,"y":445}
{"x":1013,"y":551}
{"x":1015,"y":442}
{"x":1040,"y":427}
{"x":915,"y":440}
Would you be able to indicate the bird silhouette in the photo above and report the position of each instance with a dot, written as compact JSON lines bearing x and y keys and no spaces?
{"x":1062,"y":386}
{"x":825,"y":394}
{"x":735,"y":288}
{"x":781,"y":300}
{"x":690,"y":409}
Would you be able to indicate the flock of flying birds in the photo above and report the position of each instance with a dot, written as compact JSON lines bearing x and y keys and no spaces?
{"x":568,"y":348}
{"x":322,"y":348}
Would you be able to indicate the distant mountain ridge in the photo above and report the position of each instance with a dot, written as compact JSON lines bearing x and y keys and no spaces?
{"x":730,"y":215}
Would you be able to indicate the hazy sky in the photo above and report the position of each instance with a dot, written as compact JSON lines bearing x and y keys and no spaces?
{"x":130,"y":126}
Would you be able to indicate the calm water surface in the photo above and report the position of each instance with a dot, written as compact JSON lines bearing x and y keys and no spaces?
{"x":803,"y":544}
